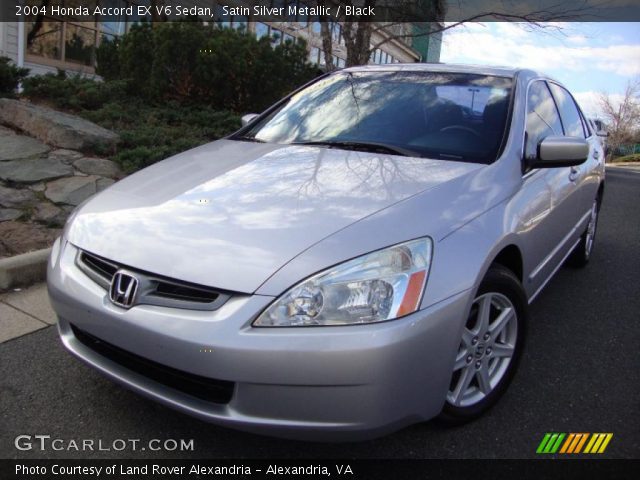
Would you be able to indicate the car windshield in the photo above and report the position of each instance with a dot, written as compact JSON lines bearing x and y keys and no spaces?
{"x":452,"y":116}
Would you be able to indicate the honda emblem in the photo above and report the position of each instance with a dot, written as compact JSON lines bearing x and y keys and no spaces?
{"x":123,"y":289}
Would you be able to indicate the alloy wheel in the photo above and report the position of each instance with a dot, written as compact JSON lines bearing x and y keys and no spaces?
{"x":591,"y":230}
{"x":486,"y":350}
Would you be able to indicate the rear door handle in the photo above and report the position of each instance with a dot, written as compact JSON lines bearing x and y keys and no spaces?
{"x":573,"y":175}
{"x":597,"y":157}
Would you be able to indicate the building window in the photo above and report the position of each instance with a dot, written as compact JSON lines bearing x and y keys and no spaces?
{"x":113,"y":28}
{"x":240,"y":23}
{"x":276,"y":36}
{"x":80,"y":45}
{"x":44,"y":38}
{"x":336,"y":32}
{"x":313,"y":55}
{"x":262,"y":30}
{"x":68,"y":42}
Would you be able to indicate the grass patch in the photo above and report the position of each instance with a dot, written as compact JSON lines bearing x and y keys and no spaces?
{"x":634,"y":157}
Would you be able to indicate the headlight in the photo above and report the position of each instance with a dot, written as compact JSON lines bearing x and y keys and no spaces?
{"x":379,"y":286}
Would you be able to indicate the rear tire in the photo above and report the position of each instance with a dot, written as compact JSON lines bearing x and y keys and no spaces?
{"x":490,"y":347}
{"x":582,"y":252}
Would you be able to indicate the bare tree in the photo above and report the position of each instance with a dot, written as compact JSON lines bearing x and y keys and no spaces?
{"x":622,"y":116}
{"x":358,"y":32}
{"x":327,"y":40}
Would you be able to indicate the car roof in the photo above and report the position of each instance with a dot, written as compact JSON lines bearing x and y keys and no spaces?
{"x":450,"y":68}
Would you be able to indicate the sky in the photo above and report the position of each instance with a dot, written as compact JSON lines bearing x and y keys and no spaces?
{"x":588,"y":58}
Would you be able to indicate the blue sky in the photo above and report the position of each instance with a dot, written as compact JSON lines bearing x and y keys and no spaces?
{"x":588,"y":58}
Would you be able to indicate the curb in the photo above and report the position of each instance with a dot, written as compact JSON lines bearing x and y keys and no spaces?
{"x":23,"y":270}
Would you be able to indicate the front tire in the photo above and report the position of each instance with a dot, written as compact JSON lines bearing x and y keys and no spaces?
{"x":490,"y":348}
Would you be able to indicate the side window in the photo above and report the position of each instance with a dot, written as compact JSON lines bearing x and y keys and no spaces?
{"x":542,"y":118}
{"x":568,"y":112}
{"x":586,"y":126}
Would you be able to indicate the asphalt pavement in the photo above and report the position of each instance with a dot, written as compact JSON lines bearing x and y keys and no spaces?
{"x":580,"y":373}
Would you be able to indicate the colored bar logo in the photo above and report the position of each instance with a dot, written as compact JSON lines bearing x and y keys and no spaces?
{"x":574,"y":443}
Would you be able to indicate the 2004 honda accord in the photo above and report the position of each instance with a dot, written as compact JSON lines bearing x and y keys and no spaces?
{"x":357,"y":258}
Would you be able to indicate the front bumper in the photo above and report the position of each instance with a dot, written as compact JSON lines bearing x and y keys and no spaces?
{"x":320,"y":383}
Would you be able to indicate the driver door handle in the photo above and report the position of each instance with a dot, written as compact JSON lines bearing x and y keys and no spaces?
{"x":575,"y":172}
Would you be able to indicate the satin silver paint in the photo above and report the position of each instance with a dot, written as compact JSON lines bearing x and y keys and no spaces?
{"x":256,"y":219}
{"x":564,"y":149}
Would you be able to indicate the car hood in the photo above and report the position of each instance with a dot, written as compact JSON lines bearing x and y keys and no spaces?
{"x":229,"y":214}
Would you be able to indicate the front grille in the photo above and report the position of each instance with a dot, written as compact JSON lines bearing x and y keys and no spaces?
{"x":100,"y":266}
{"x":203,"y":388}
{"x":180,"y":292}
{"x":154,"y":289}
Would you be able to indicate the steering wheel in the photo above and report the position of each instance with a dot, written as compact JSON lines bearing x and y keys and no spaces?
{"x":461,"y":127}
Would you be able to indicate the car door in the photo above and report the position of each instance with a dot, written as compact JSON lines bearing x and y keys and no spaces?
{"x":578,"y":127}
{"x":547,"y":233}
{"x":573,"y":207}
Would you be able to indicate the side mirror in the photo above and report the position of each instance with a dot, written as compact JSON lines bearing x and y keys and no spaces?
{"x":248,"y":118}
{"x":561,"y":152}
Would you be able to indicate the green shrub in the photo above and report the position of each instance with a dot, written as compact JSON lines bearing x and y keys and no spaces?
{"x":175,"y":85}
{"x":108,"y":59}
{"x":193,"y":63}
{"x":150,"y":133}
{"x":188,"y":62}
{"x":634,"y":157}
{"x":75,"y":92}
{"x":176,"y":53}
{"x":10,"y":77}
{"x":135,"y":55}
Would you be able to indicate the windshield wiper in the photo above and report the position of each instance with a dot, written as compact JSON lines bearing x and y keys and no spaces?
{"x":364,"y":146}
{"x":248,"y":139}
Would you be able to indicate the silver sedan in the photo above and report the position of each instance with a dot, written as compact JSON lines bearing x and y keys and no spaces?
{"x":357,"y":258}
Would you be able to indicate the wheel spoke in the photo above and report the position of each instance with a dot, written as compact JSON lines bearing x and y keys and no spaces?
{"x":483,"y":379}
{"x":463,"y":383}
{"x":461,"y":359}
{"x":484,"y":312}
{"x":502,"y":350}
{"x":467,"y":336}
{"x":499,"y":323}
